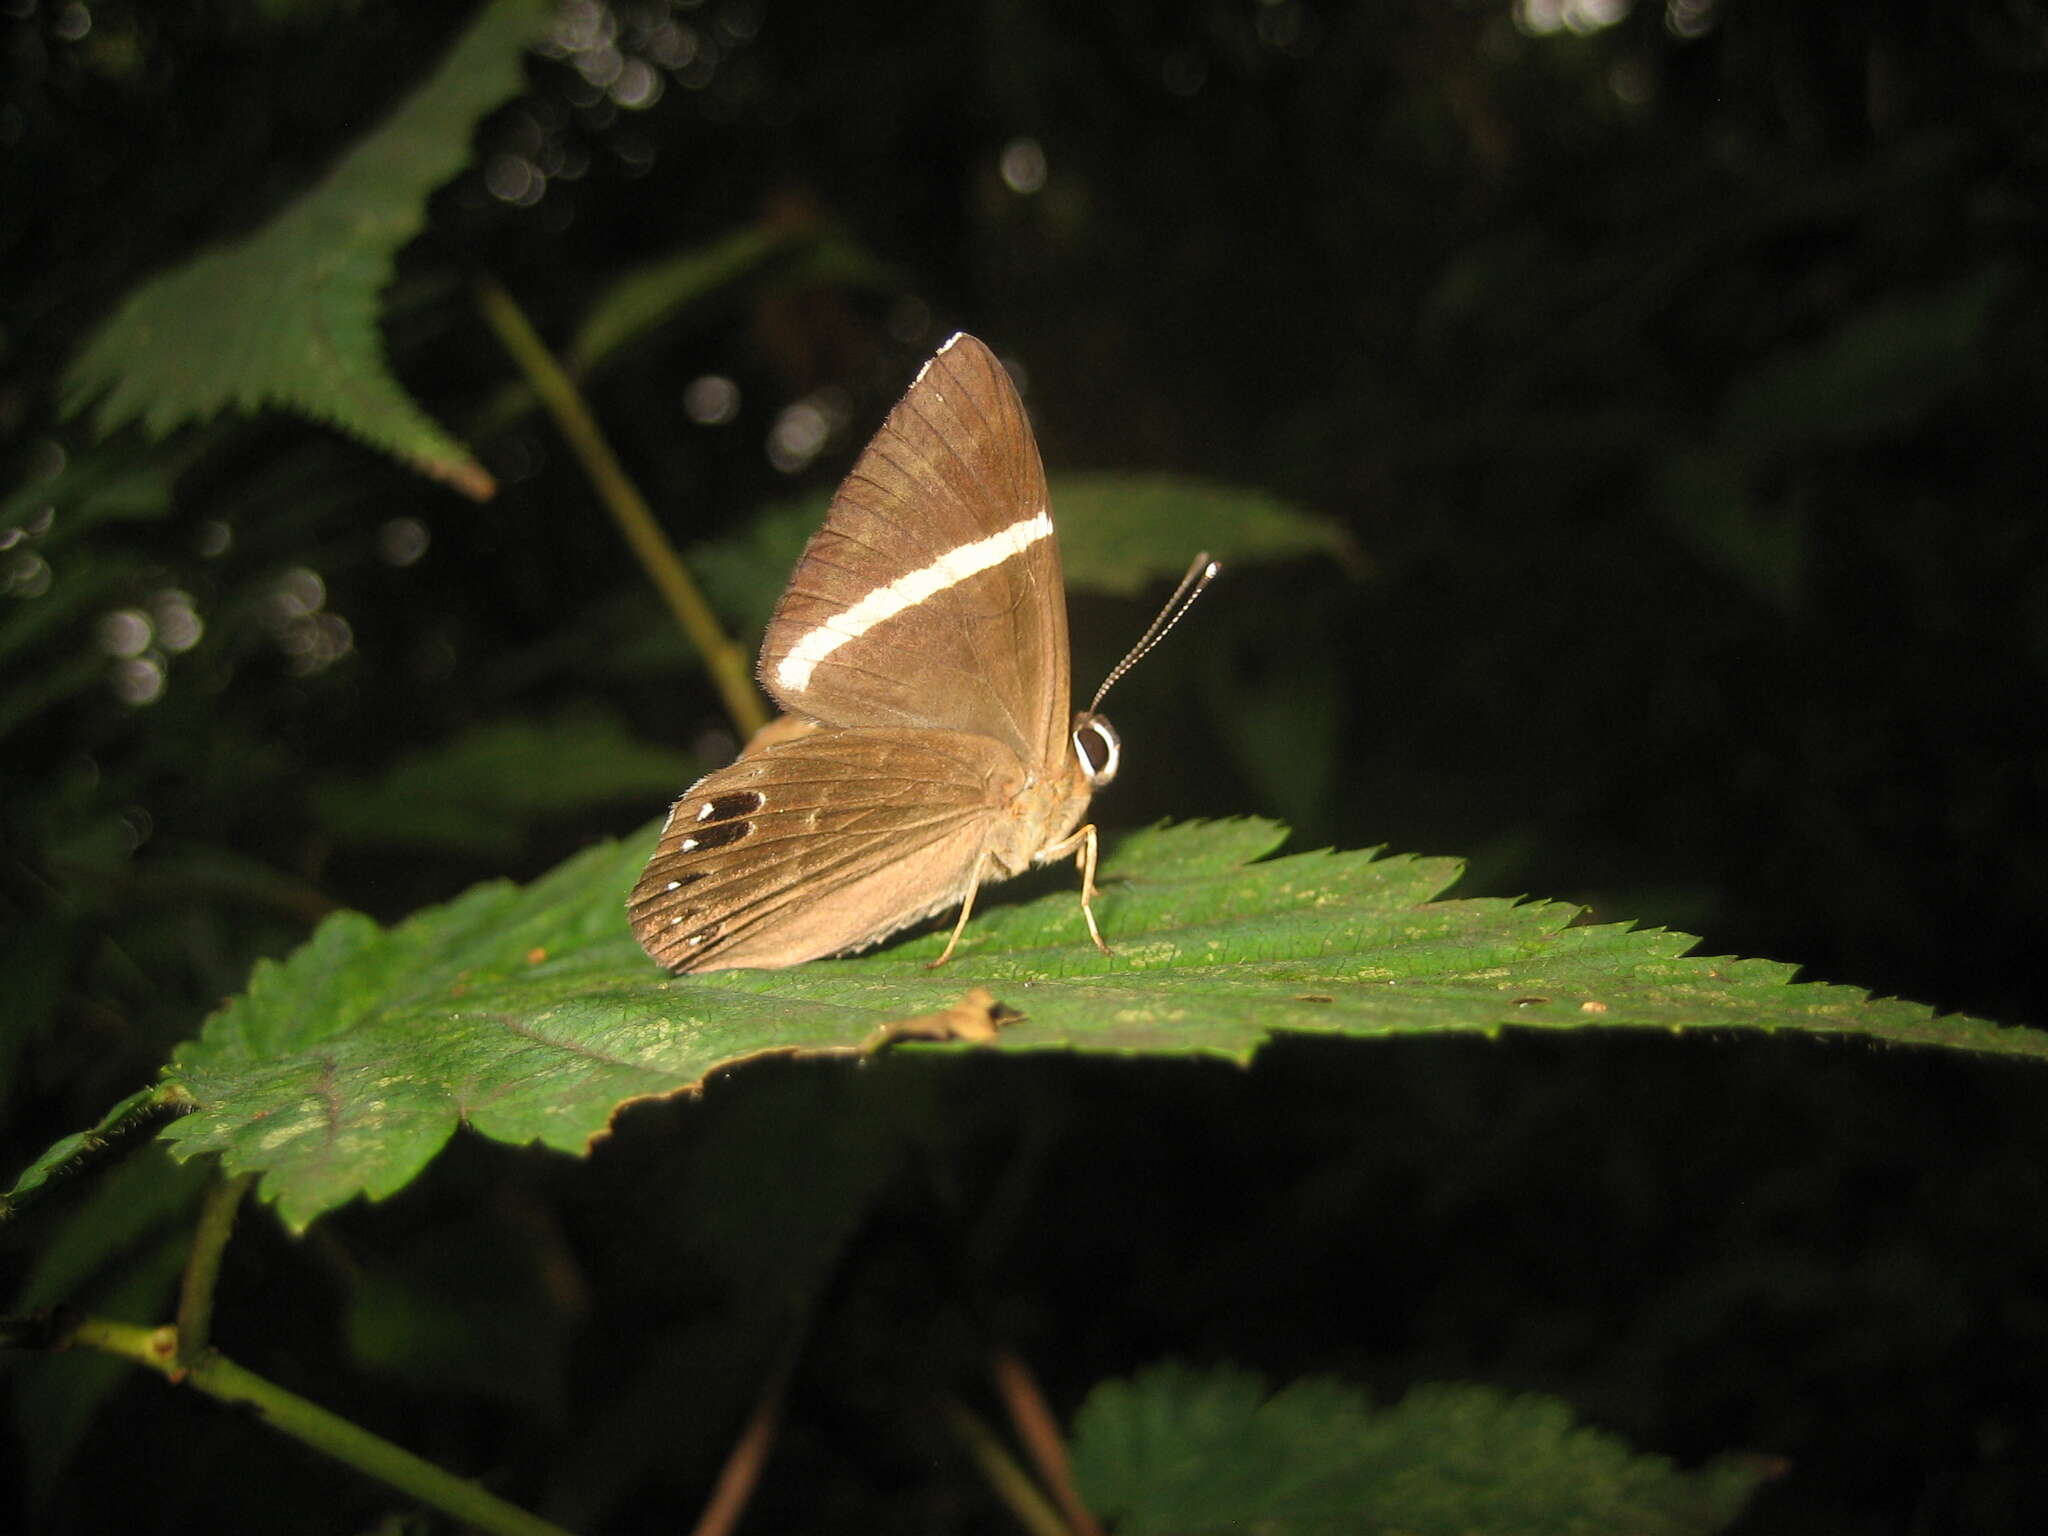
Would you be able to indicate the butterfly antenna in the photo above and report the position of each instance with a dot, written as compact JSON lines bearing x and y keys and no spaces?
{"x":1199,"y":575}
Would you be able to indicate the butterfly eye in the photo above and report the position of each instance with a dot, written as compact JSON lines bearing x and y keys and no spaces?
{"x":1096,"y":744}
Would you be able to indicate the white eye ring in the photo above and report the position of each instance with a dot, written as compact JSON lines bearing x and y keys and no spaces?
{"x":1100,"y":760}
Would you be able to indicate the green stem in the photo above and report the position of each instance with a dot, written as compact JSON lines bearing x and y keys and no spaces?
{"x":1012,"y":1483}
{"x":87,"y":1151}
{"x":330,"y":1434}
{"x":726,"y":662}
{"x":202,"y":1264}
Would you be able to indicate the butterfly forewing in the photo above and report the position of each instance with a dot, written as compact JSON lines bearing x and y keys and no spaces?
{"x":828,"y":842}
{"x":932,"y":595}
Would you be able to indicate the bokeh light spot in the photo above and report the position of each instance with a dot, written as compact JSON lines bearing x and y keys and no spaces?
{"x":672,"y":45}
{"x":514,"y":179}
{"x":711,"y":401}
{"x":402,"y":541}
{"x":601,"y":66}
{"x":1541,"y":18}
{"x":1689,"y":18}
{"x":799,"y":433}
{"x":910,"y":320}
{"x":738,"y":21}
{"x":637,"y":85}
{"x":26,"y":575}
{"x":297,"y":593}
{"x":1022,"y":166}
{"x":46,"y":460}
{"x":137,"y":680}
{"x":126,"y":632}
{"x":178,"y":625}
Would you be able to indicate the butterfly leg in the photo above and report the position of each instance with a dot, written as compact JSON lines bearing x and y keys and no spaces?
{"x":1082,"y":845}
{"x":966,"y":909}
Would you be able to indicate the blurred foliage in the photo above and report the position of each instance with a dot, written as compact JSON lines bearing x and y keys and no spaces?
{"x":1119,"y":534}
{"x":288,"y":316}
{"x":481,"y":793}
{"x":1185,"y":1453}
{"x":1675,"y":372}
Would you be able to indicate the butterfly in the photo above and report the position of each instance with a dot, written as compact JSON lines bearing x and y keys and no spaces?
{"x":920,"y":656}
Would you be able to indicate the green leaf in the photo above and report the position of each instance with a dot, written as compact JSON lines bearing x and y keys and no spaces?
{"x":1121,"y":532}
{"x":791,"y":248}
{"x":483,"y":790}
{"x":1882,"y":369}
{"x":530,"y":1014}
{"x":644,"y":299}
{"x":1267,"y":677}
{"x":1193,"y":1452}
{"x":1715,"y":504}
{"x":778,"y":250}
{"x":287,"y":316}
{"x":1118,"y":534}
{"x":745,"y":572}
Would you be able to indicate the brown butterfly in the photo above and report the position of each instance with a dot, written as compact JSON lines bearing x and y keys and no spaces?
{"x":920,"y":652}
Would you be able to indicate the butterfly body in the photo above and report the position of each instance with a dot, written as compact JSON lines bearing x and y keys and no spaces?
{"x":921,"y":654}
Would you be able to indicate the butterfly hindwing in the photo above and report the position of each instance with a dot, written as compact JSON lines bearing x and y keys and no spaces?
{"x":829,"y":841}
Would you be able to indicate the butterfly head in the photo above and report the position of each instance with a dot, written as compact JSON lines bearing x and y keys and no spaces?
{"x":1097,"y":747}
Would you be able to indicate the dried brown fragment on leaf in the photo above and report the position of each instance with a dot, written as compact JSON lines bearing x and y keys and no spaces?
{"x":976,"y":1018}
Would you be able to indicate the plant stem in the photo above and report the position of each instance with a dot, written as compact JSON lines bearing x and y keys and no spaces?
{"x":122,"y":1126}
{"x":1040,"y":1432}
{"x":1011,"y":1482}
{"x":743,"y":1464}
{"x":202,"y":1264}
{"x":307,"y":1422}
{"x":726,"y":662}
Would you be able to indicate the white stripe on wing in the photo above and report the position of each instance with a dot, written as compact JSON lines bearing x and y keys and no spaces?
{"x":794,"y":671}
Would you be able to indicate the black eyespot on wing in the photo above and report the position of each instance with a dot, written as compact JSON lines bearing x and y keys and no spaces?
{"x":703,"y":936}
{"x":717,"y":834}
{"x":725,"y":807}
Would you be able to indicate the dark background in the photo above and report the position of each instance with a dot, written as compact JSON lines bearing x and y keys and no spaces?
{"x":1677,"y":371}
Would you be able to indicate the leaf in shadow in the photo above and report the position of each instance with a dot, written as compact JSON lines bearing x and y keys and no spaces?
{"x":481,"y":792}
{"x":1188,"y":1452}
